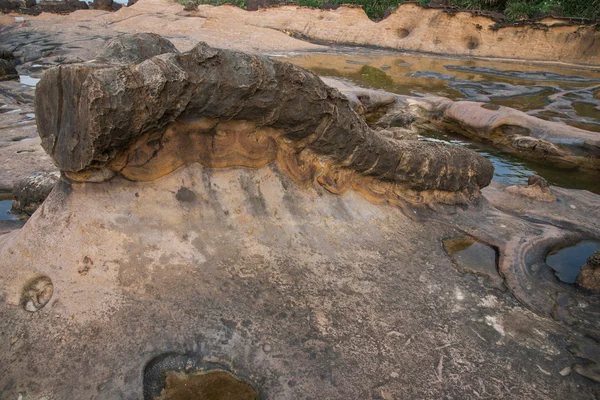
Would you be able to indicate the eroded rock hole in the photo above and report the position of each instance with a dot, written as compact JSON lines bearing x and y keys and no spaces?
{"x":472,"y":43}
{"x":473,"y":257}
{"x":185,"y":377}
{"x":206,"y":385}
{"x":37,"y":293}
{"x":185,"y":195}
{"x":402,"y":32}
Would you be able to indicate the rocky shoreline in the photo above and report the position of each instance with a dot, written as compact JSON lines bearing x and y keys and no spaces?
{"x":224,"y":211}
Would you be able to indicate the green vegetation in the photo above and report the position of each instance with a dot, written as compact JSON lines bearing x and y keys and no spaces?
{"x":523,"y":9}
{"x":239,"y":3}
{"x":513,"y":9}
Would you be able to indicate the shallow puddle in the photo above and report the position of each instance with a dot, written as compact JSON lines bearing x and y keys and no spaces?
{"x":524,"y":103}
{"x":5,"y":215}
{"x":568,"y":261}
{"x":587,"y":110}
{"x":471,"y":256}
{"x":211,"y":385}
{"x":526,"y":85}
{"x":28,"y":80}
{"x":512,"y":170}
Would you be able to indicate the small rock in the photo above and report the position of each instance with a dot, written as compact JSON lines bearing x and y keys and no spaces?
{"x":267,"y":348}
{"x":190,"y":6}
{"x":594,"y":260}
{"x":30,"y":192}
{"x":7,"y":70}
{"x":589,"y":274}
{"x":536,"y":180}
{"x":565,"y":371}
{"x":537,"y":188}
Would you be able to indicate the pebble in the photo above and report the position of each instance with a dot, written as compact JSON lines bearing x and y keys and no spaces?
{"x":267,"y":348}
{"x":565,"y":371}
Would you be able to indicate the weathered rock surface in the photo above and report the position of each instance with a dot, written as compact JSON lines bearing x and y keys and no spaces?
{"x":516,"y":132}
{"x":589,"y":275}
{"x":307,"y":290}
{"x":7,"y":67}
{"x":30,"y":192}
{"x":135,"y":48}
{"x":56,"y":7}
{"x":95,"y":120}
{"x":508,"y":129}
{"x":537,"y":189}
{"x":11,"y":5}
{"x":411,"y":27}
{"x":7,"y":70}
{"x":20,"y":149}
{"x":289,"y":284}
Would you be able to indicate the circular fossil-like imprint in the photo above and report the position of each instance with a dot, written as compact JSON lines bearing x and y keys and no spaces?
{"x":37,"y":293}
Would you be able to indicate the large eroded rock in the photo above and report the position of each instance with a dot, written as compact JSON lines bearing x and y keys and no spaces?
{"x":510,"y":130}
{"x":225,"y":108}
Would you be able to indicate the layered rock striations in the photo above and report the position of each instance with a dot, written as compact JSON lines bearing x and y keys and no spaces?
{"x":224,"y":108}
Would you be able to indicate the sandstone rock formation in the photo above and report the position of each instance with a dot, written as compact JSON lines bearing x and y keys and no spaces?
{"x":254,"y":270}
{"x":537,"y":189}
{"x":30,"y":192}
{"x":223,"y":108}
{"x":508,"y":129}
{"x":589,"y":275}
{"x":516,"y":132}
{"x":414,"y":28}
{"x":135,"y":48}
